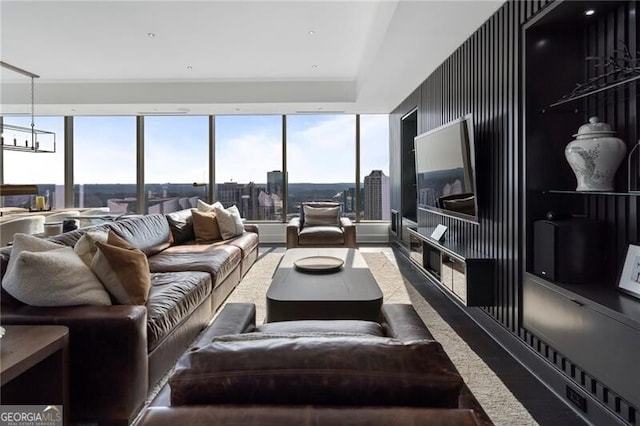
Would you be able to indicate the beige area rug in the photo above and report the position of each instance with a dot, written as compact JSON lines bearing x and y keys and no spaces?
{"x":499,"y":403}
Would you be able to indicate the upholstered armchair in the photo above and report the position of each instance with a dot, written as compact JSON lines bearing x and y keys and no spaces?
{"x":320,"y":225}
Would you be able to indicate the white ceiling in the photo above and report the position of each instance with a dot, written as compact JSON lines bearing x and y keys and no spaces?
{"x":226,"y":57}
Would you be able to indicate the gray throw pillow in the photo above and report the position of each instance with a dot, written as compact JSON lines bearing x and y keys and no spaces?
{"x":321,"y":216}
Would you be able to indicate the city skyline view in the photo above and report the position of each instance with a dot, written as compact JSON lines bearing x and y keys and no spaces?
{"x":104,"y":151}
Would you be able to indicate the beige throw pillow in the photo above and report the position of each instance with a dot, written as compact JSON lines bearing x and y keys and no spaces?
{"x":205,"y":226}
{"x":55,"y":277}
{"x":321,"y":216}
{"x":86,"y":245}
{"x":229,"y":222}
{"x":123,"y":270}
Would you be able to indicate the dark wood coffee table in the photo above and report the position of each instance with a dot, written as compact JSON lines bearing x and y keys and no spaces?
{"x":351,"y":292}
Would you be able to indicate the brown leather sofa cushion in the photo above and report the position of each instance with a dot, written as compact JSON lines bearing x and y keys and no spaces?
{"x":319,"y":370}
{"x":217,"y":260}
{"x":247,"y":242}
{"x":173,"y":297}
{"x":181,"y":225}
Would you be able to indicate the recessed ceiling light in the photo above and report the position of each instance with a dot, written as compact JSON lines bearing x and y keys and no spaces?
{"x":151,"y":34}
{"x":311,"y":32}
{"x":589,"y":12}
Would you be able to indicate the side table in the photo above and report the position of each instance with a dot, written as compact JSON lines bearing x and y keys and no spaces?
{"x":34,"y":366}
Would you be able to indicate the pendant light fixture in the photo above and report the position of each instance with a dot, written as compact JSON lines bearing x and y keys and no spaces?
{"x":26,"y":139}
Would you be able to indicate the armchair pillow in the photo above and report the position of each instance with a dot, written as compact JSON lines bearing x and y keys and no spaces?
{"x":321,"y":216}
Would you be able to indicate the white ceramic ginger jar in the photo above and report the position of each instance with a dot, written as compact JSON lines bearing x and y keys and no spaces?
{"x":594,"y":156}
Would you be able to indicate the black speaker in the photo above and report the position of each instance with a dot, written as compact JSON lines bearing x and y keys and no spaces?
{"x":568,"y":251}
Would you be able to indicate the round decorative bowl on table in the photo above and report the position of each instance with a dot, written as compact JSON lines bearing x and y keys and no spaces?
{"x":318,"y":264}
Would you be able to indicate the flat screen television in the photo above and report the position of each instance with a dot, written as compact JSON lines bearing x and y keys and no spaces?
{"x":445,"y":170}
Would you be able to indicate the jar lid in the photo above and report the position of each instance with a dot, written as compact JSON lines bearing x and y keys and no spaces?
{"x":594,"y":127}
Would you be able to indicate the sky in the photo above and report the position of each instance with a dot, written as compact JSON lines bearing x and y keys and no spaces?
{"x":320,"y":149}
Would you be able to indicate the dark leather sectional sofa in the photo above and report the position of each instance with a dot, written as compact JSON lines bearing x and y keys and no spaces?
{"x":318,"y":372}
{"x":117,"y":353}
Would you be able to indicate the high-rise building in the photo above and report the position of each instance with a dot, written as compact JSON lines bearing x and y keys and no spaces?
{"x":249,"y":201}
{"x":274,"y":182}
{"x":376,"y":196}
{"x":228,"y":193}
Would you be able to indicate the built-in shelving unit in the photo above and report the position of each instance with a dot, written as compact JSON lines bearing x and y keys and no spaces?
{"x":593,"y":324}
{"x":464,"y":273}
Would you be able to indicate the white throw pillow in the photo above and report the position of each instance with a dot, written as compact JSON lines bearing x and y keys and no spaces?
{"x":26,"y":242}
{"x":54,"y":278}
{"x":86,"y":245}
{"x":229,"y":222}
{"x":204,"y":207}
{"x":321,"y":216}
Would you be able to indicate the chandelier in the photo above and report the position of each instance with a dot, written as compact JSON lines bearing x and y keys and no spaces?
{"x":26,"y":139}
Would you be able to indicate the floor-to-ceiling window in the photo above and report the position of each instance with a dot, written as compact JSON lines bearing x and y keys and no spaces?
{"x":248,"y":164}
{"x":321,"y":159}
{"x":374,"y":167}
{"x":175,"y":158}
{"x":105,"y":163}
{"x":40,"y":168}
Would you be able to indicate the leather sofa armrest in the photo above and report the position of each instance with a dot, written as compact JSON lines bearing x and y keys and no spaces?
{"x":250,"y":227}
{"x":234,"y":318}
{"x":293,"y":228}
{"x":107,"y":352}
{"x":349,"y":229}
{"x":403,"y":323}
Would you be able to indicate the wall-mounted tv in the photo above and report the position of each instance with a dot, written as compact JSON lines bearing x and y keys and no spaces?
{"x":445,"y":170}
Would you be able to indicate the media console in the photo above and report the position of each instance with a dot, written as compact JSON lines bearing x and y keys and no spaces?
{"x":465,"y":274}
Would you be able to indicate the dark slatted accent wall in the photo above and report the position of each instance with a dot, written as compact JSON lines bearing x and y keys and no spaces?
{"x":482,"y":77}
